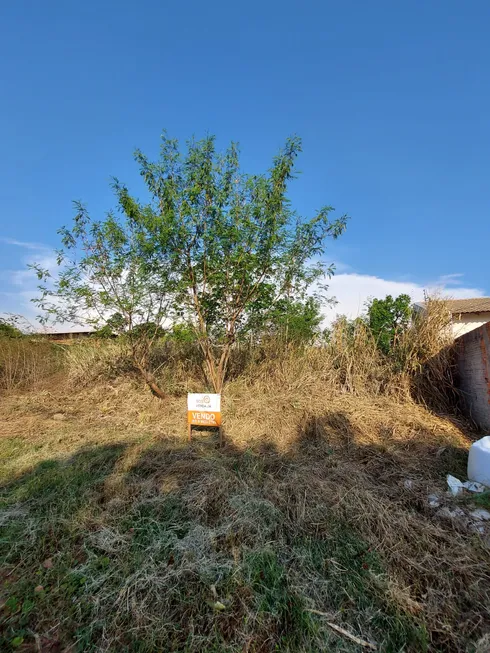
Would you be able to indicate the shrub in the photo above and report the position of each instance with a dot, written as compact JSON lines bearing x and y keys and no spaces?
{"x":8,"y":330}
{"x":387,"y":319}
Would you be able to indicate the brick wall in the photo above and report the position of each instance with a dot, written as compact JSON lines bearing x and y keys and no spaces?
{"x":474,"y":369}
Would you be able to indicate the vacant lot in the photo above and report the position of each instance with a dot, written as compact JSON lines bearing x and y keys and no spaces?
{"x":117,"y":535}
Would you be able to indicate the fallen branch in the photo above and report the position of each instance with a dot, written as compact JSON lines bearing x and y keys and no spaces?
{"x":343,"y":632}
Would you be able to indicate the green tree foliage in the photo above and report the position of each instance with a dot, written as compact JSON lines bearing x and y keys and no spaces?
{"x":213,"y":247}
{"x":183,"y":333}
{"x":344,"y":328}
{"x":115,"y":325}
{"x":386,"y":318}
{"x":110,"y":278}
{"x":293,"y":321}
{"x":234,"y":241}
{"x":9,"y":330}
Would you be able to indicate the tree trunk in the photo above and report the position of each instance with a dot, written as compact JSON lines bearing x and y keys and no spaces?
{"x":151,"y":382}
{"x":216,"y":372}
{"x":212,"y":372}
{"x":223,"y":365}
{"x":209,"y":364}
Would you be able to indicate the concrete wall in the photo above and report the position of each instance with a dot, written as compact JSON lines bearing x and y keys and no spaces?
{"x":465,"y":322}
{"x":474,"y":368}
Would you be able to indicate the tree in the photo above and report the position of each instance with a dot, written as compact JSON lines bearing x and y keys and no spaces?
{"x":292,"y":321}
{"x":235,"y":243}
{"x":9,"y":330}
{"x":387,"y":317}
{"x":214,"y":248}
{"x":13,"y":325}
{"x":109,"y":278}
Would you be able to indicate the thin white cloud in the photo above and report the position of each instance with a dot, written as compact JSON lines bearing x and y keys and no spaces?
{"x":27,"y":276}
{"x":24,"y":244}
{"x":19,"y":286}
{"x":18,"y":277}
{"x":341,"y":267}
{"x":353,"y":290}
{"x":19,"y":303}
{"x":450,"y":279}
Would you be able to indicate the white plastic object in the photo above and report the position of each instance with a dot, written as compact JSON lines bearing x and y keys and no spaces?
{"x":479,"y":461}
{"x":474,"y":487}
{"x":455,"y":485}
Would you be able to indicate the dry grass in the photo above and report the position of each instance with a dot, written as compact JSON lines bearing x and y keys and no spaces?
{"x":24,"y":362}
{"x":156,"y":545}
{"x":117,"y":535}
{"x":428,"y":357}
{"x":176,"y":365}
{"x":420,"y":366}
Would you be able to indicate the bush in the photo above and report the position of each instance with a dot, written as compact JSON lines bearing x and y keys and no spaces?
{"x":413,"y":358}
{"x":8,"y":330}
{"x":419,"y":366}
{"x":388,"y":318}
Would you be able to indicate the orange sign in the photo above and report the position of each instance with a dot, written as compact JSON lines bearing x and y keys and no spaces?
{"x":204,"y":409}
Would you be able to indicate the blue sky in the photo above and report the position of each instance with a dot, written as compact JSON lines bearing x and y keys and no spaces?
{"x":391,"y":99}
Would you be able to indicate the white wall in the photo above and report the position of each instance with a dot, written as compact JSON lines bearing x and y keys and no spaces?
{"x":468,"y":321}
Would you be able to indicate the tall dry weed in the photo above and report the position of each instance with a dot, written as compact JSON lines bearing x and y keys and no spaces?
{"x":176,"y":365}
{"x":420,"y":364}
{"x":25,"y":362}
{"x":426,"y":355}
{"x":90,"y":361}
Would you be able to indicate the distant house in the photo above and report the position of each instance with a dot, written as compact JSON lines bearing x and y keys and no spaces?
{"x":468,"y":314}
{"x":470,"y":325}
{"x":471,"y":328}
{"x":66,"y":335}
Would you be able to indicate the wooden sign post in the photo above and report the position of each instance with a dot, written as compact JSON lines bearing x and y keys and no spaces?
{"x":204,"y":410}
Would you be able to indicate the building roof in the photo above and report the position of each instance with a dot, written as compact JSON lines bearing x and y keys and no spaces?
{"x":473,"y":305}
{"x":69,"y":328}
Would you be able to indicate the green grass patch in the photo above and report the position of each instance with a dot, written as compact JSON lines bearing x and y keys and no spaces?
{"x":144,"y":571}
{"x":283,"y":607}
{"x":482,"y":500}
{"x":348,"y":577}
